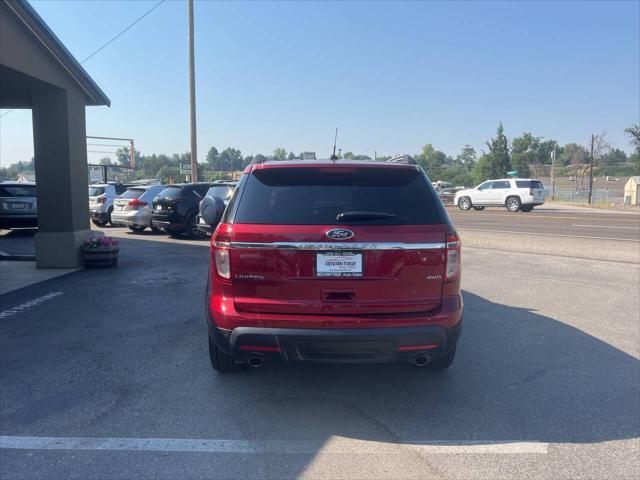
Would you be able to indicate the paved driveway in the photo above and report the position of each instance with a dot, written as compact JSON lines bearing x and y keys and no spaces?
{"x":546,"y":384}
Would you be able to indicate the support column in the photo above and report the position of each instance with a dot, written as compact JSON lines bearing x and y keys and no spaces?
{"x":59,"y":139}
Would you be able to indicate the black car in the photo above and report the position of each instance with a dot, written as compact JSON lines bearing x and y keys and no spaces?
{"x":175,"y":209}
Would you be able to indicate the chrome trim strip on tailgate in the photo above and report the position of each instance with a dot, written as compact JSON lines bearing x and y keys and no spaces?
{"x":333,"y":246}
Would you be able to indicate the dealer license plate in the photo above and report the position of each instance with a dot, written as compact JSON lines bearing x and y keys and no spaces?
{"x":338,"y":264}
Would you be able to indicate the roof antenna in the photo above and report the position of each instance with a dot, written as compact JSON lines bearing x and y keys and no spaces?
{"x":335,"y":139}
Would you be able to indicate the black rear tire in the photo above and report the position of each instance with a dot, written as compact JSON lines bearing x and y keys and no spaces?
{"x":220,"y":361}
{"x":99,"y":223}
{"x":478,"y":208}
{"x":137,"y":228}
{"x":443,"y":361}
{"x":192,"y":229}
{"x":526,"y":208}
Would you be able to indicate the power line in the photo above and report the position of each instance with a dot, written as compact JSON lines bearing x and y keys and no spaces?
{"x":109,"y":42}
{"x":123,"y":31}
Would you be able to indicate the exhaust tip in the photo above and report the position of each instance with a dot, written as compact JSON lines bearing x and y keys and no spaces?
{"x":255,"y":360}
{"x":421,"y":360}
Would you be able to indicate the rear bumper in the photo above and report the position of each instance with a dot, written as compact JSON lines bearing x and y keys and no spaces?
{"x":204,"y":226}
{"x":131,"y":219}
{"x":371,"y":345}
{"x":18,"y":221}
{"x":172,"y":222}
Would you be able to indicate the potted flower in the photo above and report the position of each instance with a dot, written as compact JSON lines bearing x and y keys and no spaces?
{"x":100,"y":252}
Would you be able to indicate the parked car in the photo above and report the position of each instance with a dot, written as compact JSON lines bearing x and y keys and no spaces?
{"x":448,"y":194}
{"x":322,"y":261}
{"x":513,"y":193}
{"x":175,"y":209}
{"x":221,"y":190}
{"x":101,"y":197}
{"x":18,"y":205}
{"x":134,"y":207}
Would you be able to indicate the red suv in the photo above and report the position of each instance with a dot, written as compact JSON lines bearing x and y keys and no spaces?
{"x":334,"y":261}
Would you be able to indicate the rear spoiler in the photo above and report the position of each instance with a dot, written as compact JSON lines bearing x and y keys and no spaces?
{"x":404,"y":158}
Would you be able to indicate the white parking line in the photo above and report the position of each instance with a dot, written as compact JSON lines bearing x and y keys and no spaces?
{"x":29,"y":304}
{"x":333,"y":445}
{"x":605,"y":226}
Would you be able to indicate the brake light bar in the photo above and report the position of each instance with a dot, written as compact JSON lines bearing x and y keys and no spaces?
{"x":136,"y":202}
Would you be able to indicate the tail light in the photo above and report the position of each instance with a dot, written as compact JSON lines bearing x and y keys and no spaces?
{"x":452,"y":270}
{"x":137,"y":203}
{"x":101,"y":200}
{"x":220,"y":251}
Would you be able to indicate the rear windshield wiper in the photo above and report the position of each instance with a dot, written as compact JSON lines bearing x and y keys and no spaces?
{"x":354,"y":216}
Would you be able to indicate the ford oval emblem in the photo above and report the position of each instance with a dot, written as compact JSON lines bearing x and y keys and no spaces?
{"x":340,"y":234}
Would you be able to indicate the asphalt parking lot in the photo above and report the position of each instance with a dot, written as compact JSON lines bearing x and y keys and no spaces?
{"x":105,"y":374}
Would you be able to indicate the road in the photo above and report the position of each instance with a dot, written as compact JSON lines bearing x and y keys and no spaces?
{"x":552,"y":221}
{"x":105,"y":374}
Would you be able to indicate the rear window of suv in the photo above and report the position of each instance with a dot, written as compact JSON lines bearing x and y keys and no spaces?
{"x":316,"y":196}
{"x":529,"y":184}
{"x":132,"y":193}
{"x":171,"y":192}
{"x":18,"y":191}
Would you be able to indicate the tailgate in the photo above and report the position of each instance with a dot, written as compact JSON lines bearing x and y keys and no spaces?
{"x":381,"y":270}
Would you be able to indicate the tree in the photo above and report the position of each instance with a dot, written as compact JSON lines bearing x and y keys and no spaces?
{"x":483,"y":169}
{"x":431,"y":159}
{"x":468,"y":156}
{"x":231,"y":159}
{"x":123,"y":157}
{"x":520,"y":162}
{"x":634,"y":133}
{"x":213,"y":157}
{"x":279,"y":154}
{"x":105,"y":161}
{"x":292,"y":156}
{"x":573,"y":154}
{"x":497,"y":161}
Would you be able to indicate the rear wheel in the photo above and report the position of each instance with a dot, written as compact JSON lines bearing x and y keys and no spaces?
{"x":220,"y":361}
{"x":478,"y":208}
{"x":137,"y":228}
{"x":99,"y":223}
{"x":156,"y":230}
{"x":192,"y":228}
{"x":526,"y":208}
{"x":443,"y":361}
{"x":464,"y":203}
{"x":513,"y":204}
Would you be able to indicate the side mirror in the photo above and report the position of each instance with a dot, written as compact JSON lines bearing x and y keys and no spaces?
{"x":211,"y":210}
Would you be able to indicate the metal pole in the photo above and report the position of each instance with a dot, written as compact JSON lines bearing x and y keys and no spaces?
{"x":553,"y":173}
{"x":132,"y":155}
{"x":192,"y":98}
{"x":591,"y":171}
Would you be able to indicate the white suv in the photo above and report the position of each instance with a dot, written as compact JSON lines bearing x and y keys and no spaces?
{"x":101,"y":198}
{"x":513,"y":193}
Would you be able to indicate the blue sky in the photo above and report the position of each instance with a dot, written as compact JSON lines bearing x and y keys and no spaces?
{"x":391,"y":75}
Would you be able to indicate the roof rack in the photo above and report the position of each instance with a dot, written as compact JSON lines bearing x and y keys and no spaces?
{"x":403,"y":158}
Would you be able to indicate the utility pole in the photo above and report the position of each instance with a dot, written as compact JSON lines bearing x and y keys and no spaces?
{"x":192,"y":98}
{"x":591,"y":171}
{"x":553,"y":173}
